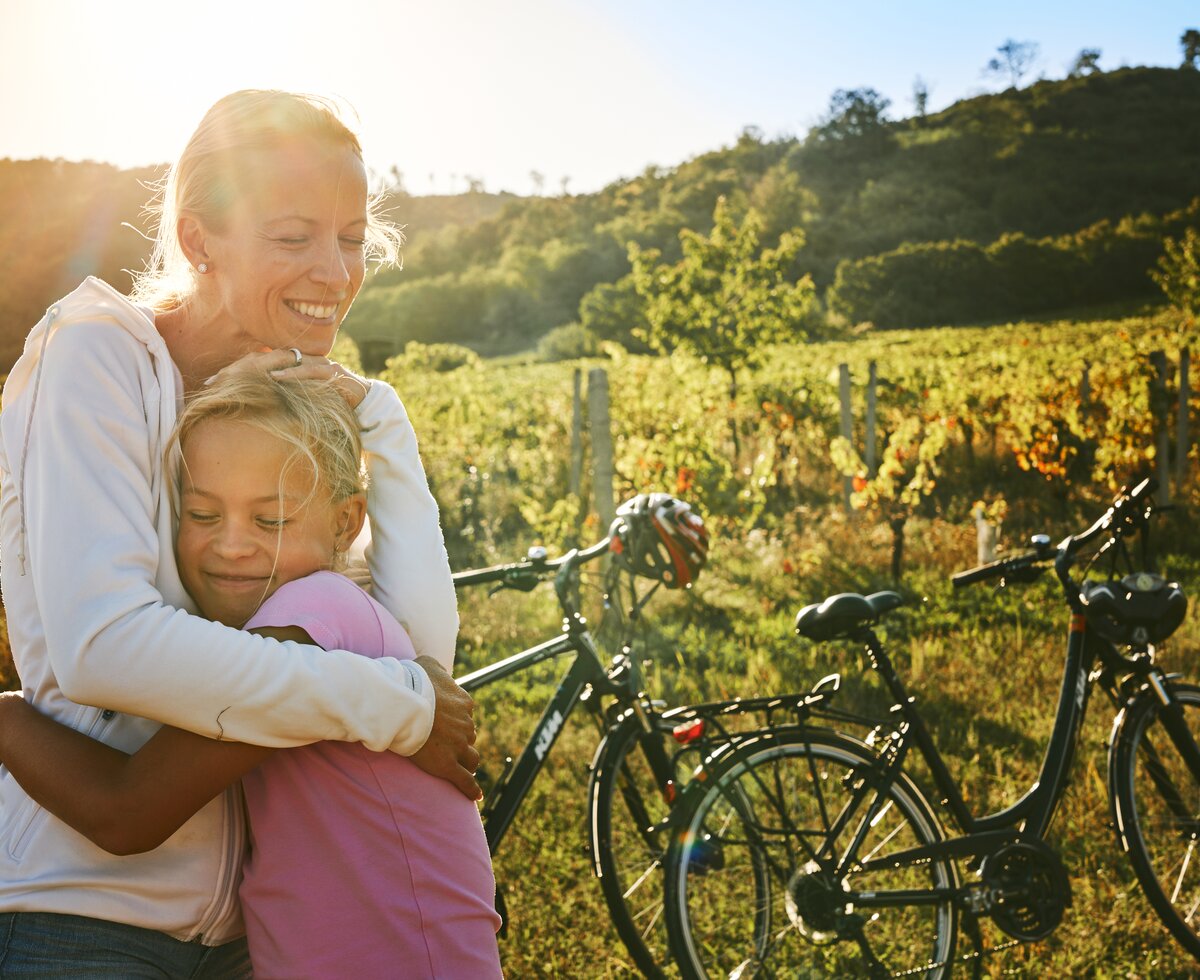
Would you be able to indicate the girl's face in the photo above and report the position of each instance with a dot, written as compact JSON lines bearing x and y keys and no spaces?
{"x":245,"y":530}
{"x":289,"y":260}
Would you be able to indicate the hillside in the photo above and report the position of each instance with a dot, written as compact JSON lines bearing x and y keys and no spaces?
{"x":1060,"y":164}
{"x":1060,"y":158}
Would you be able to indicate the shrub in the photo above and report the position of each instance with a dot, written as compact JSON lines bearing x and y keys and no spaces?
{"x":568,"y":343}
{"x":430,"y":357}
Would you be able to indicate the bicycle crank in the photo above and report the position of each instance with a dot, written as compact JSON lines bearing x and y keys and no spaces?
{"x":1025,"y":889}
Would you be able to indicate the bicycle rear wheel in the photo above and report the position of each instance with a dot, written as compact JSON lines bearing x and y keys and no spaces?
{"x":1156,"y":797}
{"x":629,"y":841}
{"x":778,"y":869}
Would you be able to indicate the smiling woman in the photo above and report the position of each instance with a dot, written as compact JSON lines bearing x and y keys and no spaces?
{"x":272,"y":235}
{"x":264,"y":236}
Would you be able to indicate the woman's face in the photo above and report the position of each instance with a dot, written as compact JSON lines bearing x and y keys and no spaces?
{"x":289,"y":260}
{"x":245,"y":529}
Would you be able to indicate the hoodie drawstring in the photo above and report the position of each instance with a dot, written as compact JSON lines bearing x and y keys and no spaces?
{"x":37,"y":381}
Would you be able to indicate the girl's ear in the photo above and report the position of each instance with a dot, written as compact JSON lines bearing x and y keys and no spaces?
{"x":349,"y":516}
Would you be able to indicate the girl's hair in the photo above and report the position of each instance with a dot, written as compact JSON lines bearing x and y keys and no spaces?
{"x":205,"y":180}
{"x":310,"y":416}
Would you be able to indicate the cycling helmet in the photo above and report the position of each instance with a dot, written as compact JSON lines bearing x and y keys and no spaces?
{"x":660,"y":538}
{"x":1138,"y":609}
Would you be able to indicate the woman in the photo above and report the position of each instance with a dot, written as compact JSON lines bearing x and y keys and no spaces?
{"x":261,"y":250}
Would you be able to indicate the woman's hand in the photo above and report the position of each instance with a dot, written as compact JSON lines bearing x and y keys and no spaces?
{"x":291,"y":365}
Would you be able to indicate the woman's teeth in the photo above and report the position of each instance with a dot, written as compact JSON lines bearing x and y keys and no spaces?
{"x":313,"y":310}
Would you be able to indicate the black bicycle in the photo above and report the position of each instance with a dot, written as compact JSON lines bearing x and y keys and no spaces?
{"x":645,"y":753}
{"x":809,"y":852}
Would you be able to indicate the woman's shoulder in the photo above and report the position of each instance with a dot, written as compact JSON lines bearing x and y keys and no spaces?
{"x":92,"y":324}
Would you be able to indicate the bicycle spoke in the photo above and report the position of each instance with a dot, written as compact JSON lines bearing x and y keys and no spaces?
{"x":642,"y":878}
{"x":770,"y":910}
{"x":1187,"y":859}
{"x":648,"y":930}
{"x":883,"y":843}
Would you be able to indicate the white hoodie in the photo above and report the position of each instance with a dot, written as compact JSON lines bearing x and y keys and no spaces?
{"x":105,"y":637}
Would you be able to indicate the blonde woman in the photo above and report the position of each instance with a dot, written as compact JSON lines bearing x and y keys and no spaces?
{"x":262,"y":247}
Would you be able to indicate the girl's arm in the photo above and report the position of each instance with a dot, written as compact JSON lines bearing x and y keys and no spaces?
{"x":410,"y":570}
{"x":125,"y":804}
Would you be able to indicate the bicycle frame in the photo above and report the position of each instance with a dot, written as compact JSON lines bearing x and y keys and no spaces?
{"x":1035,"y":809}
{"x":586,"y":671}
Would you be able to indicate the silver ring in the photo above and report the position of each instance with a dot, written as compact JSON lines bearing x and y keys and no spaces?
{"x":299,"y":357}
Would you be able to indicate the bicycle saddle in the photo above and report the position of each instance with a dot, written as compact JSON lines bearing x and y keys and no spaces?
{"x":842,"y":614}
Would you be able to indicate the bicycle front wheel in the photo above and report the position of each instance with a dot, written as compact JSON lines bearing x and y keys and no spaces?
{"x":780,"y":869}
{"x":1156,"y":797}
{"x":629,"y":841}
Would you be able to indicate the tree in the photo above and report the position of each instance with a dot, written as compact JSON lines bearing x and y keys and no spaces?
{"x":907,"y":474}
{"x":539,"y":181}
{"x":1085,"y":63}
{"x":1178,"y":272}
{"x":783,"y":202}
{"x":1015,"y":61}
{"x":920,"y":97}
{"x":727,"y":296}
{"x":1190,"y":41}
{"x":853,"y":114}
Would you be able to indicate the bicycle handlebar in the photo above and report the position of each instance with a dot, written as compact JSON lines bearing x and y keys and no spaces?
{"x":1017,"y":568}
{"x":524,"y":575}
{"x":1128,"y":512}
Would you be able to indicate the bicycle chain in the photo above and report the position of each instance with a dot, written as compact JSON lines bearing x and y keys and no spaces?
{"x":976,"y":954}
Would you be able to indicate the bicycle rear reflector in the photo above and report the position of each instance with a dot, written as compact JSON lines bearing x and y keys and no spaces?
{"x":688,"y":731}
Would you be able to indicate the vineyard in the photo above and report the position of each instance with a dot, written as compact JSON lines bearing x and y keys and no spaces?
{"x":1045,"y":415}
{"x":999,"y":416}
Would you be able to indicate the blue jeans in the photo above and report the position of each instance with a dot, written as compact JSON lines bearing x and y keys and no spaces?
{"x":45,"y":944}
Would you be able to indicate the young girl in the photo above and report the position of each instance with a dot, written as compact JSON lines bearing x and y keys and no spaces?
{"x":361,"y":864}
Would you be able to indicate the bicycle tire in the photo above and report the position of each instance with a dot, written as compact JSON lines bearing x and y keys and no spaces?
{"x":628,"y":837}
{"x":1156,"y":799}
{"x":770,"y":808}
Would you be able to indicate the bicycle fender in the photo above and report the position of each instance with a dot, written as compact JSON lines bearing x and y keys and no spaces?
{"x":1132,"y":706}
{"x":616,"y":734}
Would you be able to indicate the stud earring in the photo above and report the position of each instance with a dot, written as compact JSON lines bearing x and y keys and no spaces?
{"x":202,"y":268}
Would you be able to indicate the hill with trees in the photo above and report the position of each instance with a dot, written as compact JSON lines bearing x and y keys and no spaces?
{"x":1024,"y":202}
{"x":1060,"y":194}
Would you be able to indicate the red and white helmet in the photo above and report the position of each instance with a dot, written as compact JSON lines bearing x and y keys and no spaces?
{"x":659,"y":537}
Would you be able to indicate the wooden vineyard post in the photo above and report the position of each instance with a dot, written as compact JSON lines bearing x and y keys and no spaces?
{"x":602,"y":454}
{"x":1181,"y":423}
{"x":575,"y":478}
{"x":847,"y":427}
{"x":869,"y":454}
{"x":1158,"y":410}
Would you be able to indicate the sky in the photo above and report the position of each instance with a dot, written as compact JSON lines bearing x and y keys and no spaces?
{"x":581,"y":91}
